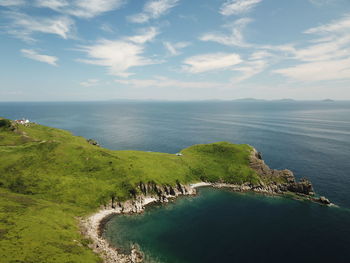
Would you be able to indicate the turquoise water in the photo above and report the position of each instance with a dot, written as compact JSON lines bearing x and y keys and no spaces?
{"x":222,"y":226}
{"x":310,"y":138}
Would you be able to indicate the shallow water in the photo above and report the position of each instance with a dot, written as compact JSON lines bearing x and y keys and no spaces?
{"x":310,"y":138}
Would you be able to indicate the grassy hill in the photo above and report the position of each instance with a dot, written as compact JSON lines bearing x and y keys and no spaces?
{"x":48,"y":177}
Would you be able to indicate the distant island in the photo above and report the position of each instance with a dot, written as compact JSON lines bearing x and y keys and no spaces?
{"x":57,"y":190}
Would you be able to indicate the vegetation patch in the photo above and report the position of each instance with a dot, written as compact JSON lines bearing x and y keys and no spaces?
{"x":51,"y":177}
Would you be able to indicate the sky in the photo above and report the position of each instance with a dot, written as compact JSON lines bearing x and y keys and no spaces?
{"x":83,"y":50}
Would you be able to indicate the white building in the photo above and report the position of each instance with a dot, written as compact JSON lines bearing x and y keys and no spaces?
{"x":23,"y":121}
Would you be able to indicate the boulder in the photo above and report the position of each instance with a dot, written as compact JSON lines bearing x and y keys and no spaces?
{"x":324,"y":200}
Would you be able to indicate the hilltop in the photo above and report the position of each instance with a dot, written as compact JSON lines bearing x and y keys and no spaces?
{"x":48,"y":178}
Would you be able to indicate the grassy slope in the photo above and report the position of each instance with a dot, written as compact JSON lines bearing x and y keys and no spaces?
{"x":48,"y":177}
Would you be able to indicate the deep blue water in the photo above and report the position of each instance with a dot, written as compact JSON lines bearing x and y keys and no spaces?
{"x":310,"y":138}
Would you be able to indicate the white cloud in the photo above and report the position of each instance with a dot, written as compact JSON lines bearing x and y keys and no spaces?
{"x":107,"y":28}
{"x":261,"y":54}
{"x":174,"y":48}
{"x":338,"y":47}
{"x":23,"y":26}
{"x":318,"y":71}
{"x":235,"y":36}
{"x":327,"y":57}
{"x":162,"y":82}
{"x":210,"y":62}
{"x":116,"y":55}
{"x":52,"y":4}
{"x":9,"y":3}
{"x":257,"y":63}
{"x":81,"y":8}
{"x":32,"y":54}
{"x":145,"y":36}
{"x":236,"y":7}
{"x":90,"y":83}
{"x":121,"y":54}
{"x":338,"y":26}
{"x":250,"y":69}
{"x":153,"y":10}
{"x":321,"y":2}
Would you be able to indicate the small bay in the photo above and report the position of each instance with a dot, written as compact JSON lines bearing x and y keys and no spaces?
{"x":223,"y":226}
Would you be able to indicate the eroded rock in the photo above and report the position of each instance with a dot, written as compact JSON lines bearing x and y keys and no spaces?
{"x":286,"y":179}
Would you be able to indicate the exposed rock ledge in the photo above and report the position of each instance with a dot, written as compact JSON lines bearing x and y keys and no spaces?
{"x":92,"y":226}
{"x":302,"y":189}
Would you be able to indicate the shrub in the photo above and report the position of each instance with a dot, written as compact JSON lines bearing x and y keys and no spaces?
{"x":5,"y":124}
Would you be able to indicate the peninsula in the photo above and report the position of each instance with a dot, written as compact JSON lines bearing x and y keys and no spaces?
{"x":57,"y":189}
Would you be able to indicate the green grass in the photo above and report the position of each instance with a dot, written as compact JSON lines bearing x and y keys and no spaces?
{"x":34,"y":230}
{"x":48,"y":177}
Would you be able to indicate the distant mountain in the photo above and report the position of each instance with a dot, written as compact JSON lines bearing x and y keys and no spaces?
{"x":249,"y":100}
{"x":286,"y":100}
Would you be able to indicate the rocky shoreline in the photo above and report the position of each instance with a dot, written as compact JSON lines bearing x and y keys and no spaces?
{"x":92,"y":227}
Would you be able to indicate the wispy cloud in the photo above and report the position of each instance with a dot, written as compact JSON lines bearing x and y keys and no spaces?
{"x":107,"y":28}
{"x":237,"y":7}
{"x":163,"y":82}
{"x":81,"y":8}
{"x":32,"y":54}
{"x":261,"y":54}
{"x":174,"y":48}
{"x":318,"y":71}
{"x":249,"y":69}
{"x":334,"y":48}
{"x":90,"y":83}
{"x":321,"y":2}
{"x":234,"y":37}
{"x":210,"y":62}
{"x":23,"y":26}
{"x":257,"y":63}
{"x":327,"y":57}
{"x":146,"y":35}
{"x":338,"y":26}
{"x":153,"y":10}
{"x":56,"y":5}
{"x":9,"y":3}
{"x":121,"y":54}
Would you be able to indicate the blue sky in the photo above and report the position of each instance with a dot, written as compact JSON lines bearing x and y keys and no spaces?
{"x":60,"y":50}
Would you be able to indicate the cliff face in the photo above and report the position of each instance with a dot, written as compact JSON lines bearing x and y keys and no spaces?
{"x":285,"y":177}
{"x":282,"y":181}
{"x":151,"y":193}
{"x":93,"y":226}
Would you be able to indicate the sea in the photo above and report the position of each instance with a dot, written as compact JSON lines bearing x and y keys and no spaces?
{"x":311,"y":138}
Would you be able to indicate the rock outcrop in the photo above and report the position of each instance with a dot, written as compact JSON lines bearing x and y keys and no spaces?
{"x":93,"y":142}
{"x":278,"y":181}
{"x":323,"y":200}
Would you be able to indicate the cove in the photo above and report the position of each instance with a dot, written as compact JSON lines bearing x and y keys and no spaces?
{"x":222,"y":226}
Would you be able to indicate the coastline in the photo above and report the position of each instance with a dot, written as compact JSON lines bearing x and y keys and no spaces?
{"x":92,"y":226}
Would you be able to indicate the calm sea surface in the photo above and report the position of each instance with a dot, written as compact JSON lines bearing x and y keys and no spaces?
{"x":310,"y":138}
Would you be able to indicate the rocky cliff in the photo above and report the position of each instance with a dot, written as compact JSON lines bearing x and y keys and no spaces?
{"x":281,"y":181}
{"x":93,"y":226}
